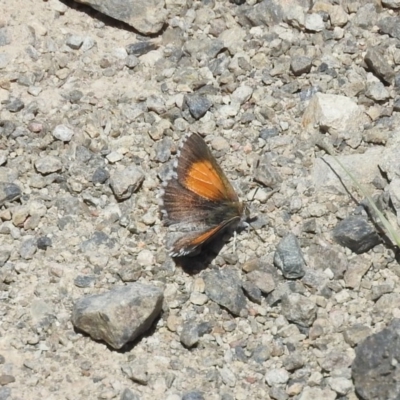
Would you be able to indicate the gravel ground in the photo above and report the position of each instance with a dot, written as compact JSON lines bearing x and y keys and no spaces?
{"x":91,"y":116}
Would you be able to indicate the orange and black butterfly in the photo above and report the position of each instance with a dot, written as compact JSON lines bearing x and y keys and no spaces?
{"x":198,"y":201}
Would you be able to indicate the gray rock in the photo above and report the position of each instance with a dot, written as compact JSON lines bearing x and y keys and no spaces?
{"x":98,"y":239}
{"x":127,"y":394}
{"x":100,"y":175}
{"x":44,"y":242}
{"x":299,"y":309}
{"x":84,"y":281}
{"x":391,"y":3}
{"x":289,"y":257}
{"x":193,"y":395}
{"x":378,"y":65}
{"x":9,"y":192}
{"x":355,"y":272}
{"x":252,"y":292}
{"x":191,"y":332}
{"x":156,"y":104}
{"x":163,"y":149}
{"x":377,"y":92}
{"x":390,"y":26}
{"x":336,"y":359}
{"x":126,"y":181}
{"x":293,"y":361}
{"x":314,"y":22}
{"x":63,"y":133}
{"x":336,"y":114}
{"x":267,"y":12}
{"x":48,"y":164}
{"x":224,"y":287}
{"x":147,"y":16}
{"x":74,"y":41}
{"x":276,"y":376}
{"x":14,"y":104}
{"x":137,"y":371}
{"x":261,"y":353}
{"x":5,"y":393}
{"x":120,"y":315}
{"x":88,"y":43}
{"x":329,"y":177}
{"x":74,"y":96}
{"x":140,"y":48}
{"x":197,"y":105}
{"x":316,"y":281}
{"x":204,"y":47}
{"x":277,"y":393}
{"x":300,"y":65}
{"x":356,"y":334}
{"x":28,"y":248}
{"x":366,"y":16}
{"x":356,"y":233}
{"x":131,"y":61}
{"x":262,"y":280}
{"x":375,"y":366}
{"x":265,"y":173}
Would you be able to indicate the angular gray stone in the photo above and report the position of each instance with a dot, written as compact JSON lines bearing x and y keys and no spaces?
{"x":375,"y":368}
{"x":262,"y":280}
{"x":356,"y":233}
{"x":356,"y":334}
{"x":48,"y":164}
{"x":74,"y":41}
{"x":63,"y":133}
{"x":197,"y":105}
{"x":289,"y":257}
{"x":224,"y":287}
{"x":126,"y":181}
{"x":265,"y":173}
{"x":379,"y":66}
{"x":300,"y":65}
{"x":9,"y":192}
{"x":140,"y":48}
{"x":147,"y":16}
{"x":192,"y":331}
{"x":390,"y":26}
{"x":299,"y":309}
{"x":120,"y":315}
{"x":267,"y":12}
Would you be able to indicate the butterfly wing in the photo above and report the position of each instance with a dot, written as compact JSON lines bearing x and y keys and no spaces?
{"x":198,"y":200}
{"x":191,"y":241}
{"x":200,"y":173}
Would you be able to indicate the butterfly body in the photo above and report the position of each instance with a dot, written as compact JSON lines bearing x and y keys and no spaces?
{"x":198,"y":201}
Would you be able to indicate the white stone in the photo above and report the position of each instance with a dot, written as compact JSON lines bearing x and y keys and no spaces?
{"x":63,"y":133}
{"x":314,"y":22}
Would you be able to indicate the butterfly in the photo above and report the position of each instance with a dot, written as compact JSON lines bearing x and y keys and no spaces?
{"x":197,"y":200}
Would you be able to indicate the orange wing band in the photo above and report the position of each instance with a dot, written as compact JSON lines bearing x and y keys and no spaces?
{"x":205,"y":181}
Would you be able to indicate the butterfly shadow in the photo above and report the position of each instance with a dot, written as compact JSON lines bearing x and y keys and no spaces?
{"x":195,"y":263}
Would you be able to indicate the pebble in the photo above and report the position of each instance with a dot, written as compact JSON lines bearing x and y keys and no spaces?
{"x":126,"y":181}
{"x":48,"y":165}
{"x":63,"y":133}
{"x":74,"y":41}
{"x":289,"y":258}
{"x":224,"y":288}
{"x":356,"y":233}
{"x":314,"y":22}
{"x":299,"y":309}
{"x":120,"y":315}
{"x":197,"y":105}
